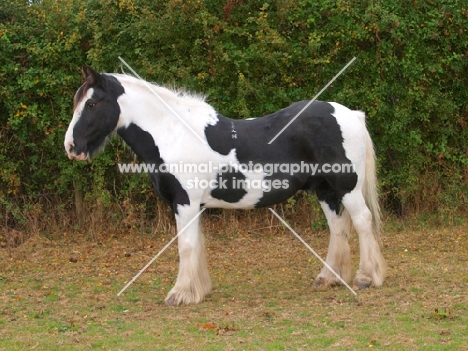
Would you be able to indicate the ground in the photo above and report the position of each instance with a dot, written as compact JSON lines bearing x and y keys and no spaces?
{"x":60,"y":293}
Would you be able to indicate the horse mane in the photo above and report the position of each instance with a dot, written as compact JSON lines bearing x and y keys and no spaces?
{"x":172,"y":91}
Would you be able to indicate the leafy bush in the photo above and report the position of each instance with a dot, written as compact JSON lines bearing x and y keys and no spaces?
{"x":251,"y":58}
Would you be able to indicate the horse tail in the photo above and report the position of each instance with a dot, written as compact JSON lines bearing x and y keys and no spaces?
{"x":369,"y":189}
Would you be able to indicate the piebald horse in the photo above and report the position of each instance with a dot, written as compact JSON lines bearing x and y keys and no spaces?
{"x":327,"y":151}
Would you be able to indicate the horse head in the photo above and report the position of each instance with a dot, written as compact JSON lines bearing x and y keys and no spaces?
{"x":96,"y":114}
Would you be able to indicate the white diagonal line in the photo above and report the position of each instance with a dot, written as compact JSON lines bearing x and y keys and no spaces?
{"x":312,"y":250}
{"x":311,"y":101}
{"x":160,"y":252}
{"x":162,"y":100}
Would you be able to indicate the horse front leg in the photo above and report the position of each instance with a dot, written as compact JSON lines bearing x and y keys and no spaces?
{"x":193,"y":280}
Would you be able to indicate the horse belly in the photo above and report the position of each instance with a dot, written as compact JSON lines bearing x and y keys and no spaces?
{"x":256,"y":194}
{"x":211,"y":202}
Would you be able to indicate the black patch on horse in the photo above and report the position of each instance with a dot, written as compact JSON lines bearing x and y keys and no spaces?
{"x":165,"y":184}
{"x":231,"y":186}
{"x":100,"y":115}
{"x":314,"y":137}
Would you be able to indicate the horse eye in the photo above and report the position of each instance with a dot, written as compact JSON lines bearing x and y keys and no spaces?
{"x":90,"y":104}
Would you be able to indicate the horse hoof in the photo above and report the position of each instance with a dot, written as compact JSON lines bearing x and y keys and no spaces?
{"x":171,"y":301}
{"x":177,"y":297}
{"x":361,"y":285}
{"x":320,"y":281}
{"x":321,"y":284}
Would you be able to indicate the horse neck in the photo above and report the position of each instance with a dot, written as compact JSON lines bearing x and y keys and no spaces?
{"x":163,"y":114}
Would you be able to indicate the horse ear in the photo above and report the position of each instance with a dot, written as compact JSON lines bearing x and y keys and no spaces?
{"x":90,"y":75}
{"x":84,"y":72}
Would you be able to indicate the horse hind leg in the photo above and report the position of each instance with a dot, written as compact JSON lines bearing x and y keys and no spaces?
{"x":372,"y":265}
{"x":338,"y":256}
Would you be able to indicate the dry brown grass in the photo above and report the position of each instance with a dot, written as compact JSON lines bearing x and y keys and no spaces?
{"x":58,"y":291}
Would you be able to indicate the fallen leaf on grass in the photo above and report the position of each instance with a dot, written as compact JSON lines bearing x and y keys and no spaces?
{"x":208,"y":326}
{"x":219,"y":330}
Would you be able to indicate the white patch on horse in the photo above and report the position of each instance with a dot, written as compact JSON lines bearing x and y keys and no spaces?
{"x":353,"y":130}
{"x":141,"y":99}
{"x":69,"y":142}
{"x":253,"y":195}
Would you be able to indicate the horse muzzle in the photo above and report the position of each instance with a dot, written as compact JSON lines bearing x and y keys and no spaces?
{"x":80,"y":157}
{"x":72,"y":155}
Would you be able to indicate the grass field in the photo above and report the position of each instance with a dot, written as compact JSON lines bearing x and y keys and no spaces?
{"x":58,"y":291}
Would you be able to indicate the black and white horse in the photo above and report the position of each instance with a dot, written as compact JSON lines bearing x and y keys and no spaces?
{"x":327,"y":150}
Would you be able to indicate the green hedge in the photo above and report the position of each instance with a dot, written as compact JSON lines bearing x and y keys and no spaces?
{"x":251,"y":58}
